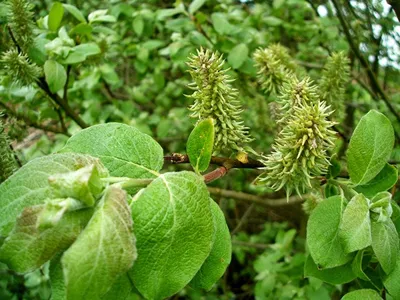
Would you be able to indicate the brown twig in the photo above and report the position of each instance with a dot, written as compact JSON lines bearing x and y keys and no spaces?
{"x":259,"y":200}
{"x":372,"y":78}
{"x":243,"y":219}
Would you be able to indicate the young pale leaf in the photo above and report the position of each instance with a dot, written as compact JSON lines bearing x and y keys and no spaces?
{"x":29,"y":185}
{"x":195,"y":6}
{"x":385,"y":243}
{"x":81,"y":52}
{"x":370,"y":147}
{"x":55,"y":16}
{"x":355,"y":229}
{"x":238,"y":55}
{"x":55,"y":74}
{"x":386,"y":178}
{"x":103,"y":251}
{"x":138,"y":25}
{"x":220,"y":256}
{"x":366,"y":294}
{"x":200,"y":145}
{"x":75,"y":12}
{"x":392,"y":282}
{"x":123,"y":149}
{"x":337,"y":275}
{"x":174,"y":230}
{"x":27,"y":247}
{"x":323,"y":234}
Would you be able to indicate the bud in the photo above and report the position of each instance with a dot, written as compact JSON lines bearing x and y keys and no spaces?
{"x":215,"y":98}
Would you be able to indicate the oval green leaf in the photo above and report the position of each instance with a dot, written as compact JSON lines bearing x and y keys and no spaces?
{"x":323,"y":234}
{"x":55,"y":16}
{"x":55,"y":75}
{"x":238,"y":55}
{"x":174,"y":230}
{"x":220,"y":256}
{"x":370,"y":147}
{"x":75,"y":12}
{"x":103,"y":251}
{"x":200,"y":145}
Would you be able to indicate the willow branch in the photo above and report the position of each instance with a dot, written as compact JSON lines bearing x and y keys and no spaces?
{"x":373,"y":80}
{"x":256,"y":199}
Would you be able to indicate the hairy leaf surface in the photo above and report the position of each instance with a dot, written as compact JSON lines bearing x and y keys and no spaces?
{"x":103,"y":251}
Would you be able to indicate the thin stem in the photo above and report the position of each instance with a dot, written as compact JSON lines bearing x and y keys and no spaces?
{"x":65,"y":95}
{"x":126,"y":182}
{"x":243,"y":219}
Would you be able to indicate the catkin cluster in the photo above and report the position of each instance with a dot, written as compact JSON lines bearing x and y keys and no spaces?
{"x":300,"y":149}
{"x":19,"y":66}
{"x":215,"y":98}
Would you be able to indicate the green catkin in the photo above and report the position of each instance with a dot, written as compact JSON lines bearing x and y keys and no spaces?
{"x":19,"y":67}
{"x":275,"y":67}
{"x":8,"y":164}
{"x":215,"y":98}
{"x":334,"y":77}
{"x":20,"y":20}
{"x":300,"y":150}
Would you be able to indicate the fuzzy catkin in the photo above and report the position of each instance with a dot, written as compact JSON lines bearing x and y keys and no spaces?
{"x":334,"y":77}
{"x":275,"y":67}
{"x":20,"y":20}
{"x":300,"y":150}
{"x":8,"y":165}
{"x":19,"y":67}
{"x":215,"y":98}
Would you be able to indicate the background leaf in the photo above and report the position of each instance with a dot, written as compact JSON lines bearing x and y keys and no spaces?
{"x":75,"y":12}
{"x":103,"y":251}
{"x":370,"y":147}
{"x":200,"y":145}
{"x":174,"y":231}
{"x":195,"y":6}
{"x":55,"y":16}
{"x":392,"y":282}
{"x":55,"y":74}
{"x":238,"y":55}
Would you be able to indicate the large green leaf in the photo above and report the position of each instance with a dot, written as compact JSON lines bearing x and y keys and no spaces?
{"x":220,"y":256}
{"x":355,"y":229}
{"x":370,"y":147}
{"x":386,"y":178}
{"x":323,"y":234}
{"x":122,"y":289}
{"x":29,"y":185}
{"x":338,"y":275}
{"x":385,"y":243}
{"x":103,"y":251}
{"x":200,"y":145}
{"x":365,"y":294}
{"x":123,"y":149}
{"x":174,"y":231}
{"x":358,"y":267}
{"x":27,"y":247}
